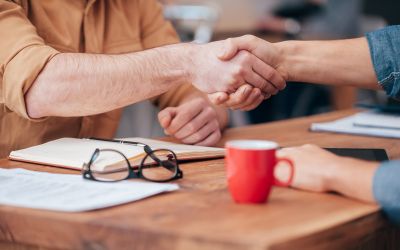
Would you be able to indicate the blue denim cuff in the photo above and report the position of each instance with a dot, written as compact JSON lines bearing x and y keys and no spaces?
{"x":386,"y":188}
{"x":384,"y":46}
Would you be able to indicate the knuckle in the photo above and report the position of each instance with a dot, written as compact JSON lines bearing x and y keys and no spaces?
{"x":249,"y":38}
{"x":197,"y":137}
{"x":217,"y":137}
{"x":246,"y":57}
{"x":263,"y":85}
{"x":235,"y":101}
{"x":239,"y":71}
{"x":215,"y":124}
{"x":210,"y":112}
{"x":269,"y":74}
{"x":182,"y":118}
{"x":179,"y":136}
{"x":201,"y":102}
{"x":229,"y":43}
{"x":240,"y":99}
{"x":186,"y":141}
{"x":257,"y":91}
{"x":191,"y":127}
{"x":281,"y":84}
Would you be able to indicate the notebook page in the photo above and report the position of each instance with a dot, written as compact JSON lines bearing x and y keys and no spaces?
{"x":72,"y":152}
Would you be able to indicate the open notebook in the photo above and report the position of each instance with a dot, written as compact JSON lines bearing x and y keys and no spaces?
{"x":73,"y":153}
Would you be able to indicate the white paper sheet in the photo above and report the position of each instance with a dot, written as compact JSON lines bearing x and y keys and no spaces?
{"x":376,"y":119}
{"x":346,"y":126}
{"x":70,"y":193}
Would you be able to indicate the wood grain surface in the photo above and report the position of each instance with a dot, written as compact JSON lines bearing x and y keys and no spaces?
{"x":202,"y":215}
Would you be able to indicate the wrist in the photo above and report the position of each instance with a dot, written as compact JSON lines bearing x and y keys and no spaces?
{"x":185,"y":52}
{"x":344,"y":169}
{"x":177,"y":58}
{"x":285,"y":49}
{"x":333,"y":173}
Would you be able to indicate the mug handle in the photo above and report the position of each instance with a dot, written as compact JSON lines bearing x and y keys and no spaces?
{"x":291,"y":175}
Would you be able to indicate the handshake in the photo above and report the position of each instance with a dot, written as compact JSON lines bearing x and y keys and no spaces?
{"x":238,"y":73}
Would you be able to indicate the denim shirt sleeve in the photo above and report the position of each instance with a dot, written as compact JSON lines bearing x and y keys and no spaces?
{"x":386,"y":188}
{"x":384,"y":46}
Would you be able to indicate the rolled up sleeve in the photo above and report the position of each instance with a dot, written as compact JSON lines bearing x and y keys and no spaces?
{"x":386,"y":189}
{"x":23,"y":55}
{"x":385,"y":53}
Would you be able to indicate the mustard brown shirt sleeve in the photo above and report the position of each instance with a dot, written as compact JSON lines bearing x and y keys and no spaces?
{"x":23,"y":55}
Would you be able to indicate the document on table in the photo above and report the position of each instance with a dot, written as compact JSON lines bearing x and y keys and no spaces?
{"x":367,"y":123}
{"x":70,"y":193}
{"x":376,"y":119}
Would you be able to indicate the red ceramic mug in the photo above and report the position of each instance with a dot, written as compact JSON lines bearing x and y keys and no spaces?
{"x":250,"y":166}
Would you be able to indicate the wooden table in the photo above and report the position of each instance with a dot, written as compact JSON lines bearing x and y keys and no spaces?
{"x":202,"y":215}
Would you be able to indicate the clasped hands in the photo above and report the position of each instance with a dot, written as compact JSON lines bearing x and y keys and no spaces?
{"x":239,"y":73}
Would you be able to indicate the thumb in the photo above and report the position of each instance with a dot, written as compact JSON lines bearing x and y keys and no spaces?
{"x":231,"y":46}
{"x":228,"y":50}
{"x":218,"y":98}
{"x":165,"y":116}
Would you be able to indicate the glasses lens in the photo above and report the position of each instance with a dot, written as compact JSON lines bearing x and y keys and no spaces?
{"x":160,"y":165}
{"x":109,"y":165}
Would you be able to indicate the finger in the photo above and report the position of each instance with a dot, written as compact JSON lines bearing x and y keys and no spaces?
{"x":165,"y":116}
{"x":206,"y":115}
{"x":184,"y":114}
{"x":254,"y":104}
{"x":270,"y":74}
{"x":257,"y":81}
{"x":267,"y":96}
{"x":203,"y":133}
{"x":218,"y":98}
{"x":239,"y":96}
{"x":255,"y":94}
{"x":233,"y":45}
{"x":211,"y":140}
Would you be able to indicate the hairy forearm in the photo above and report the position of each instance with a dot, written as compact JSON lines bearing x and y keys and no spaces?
{"x":75,"y":84}
{"x":353,"y":178}
{"x":342,"y":62}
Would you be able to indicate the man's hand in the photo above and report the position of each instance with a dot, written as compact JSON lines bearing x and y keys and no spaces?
{"x":193,"y":122}
{"x":263,"y":50}
{"x":214,"y":68}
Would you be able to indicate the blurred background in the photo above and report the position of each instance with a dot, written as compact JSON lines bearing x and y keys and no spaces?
{"x":203,"y":21}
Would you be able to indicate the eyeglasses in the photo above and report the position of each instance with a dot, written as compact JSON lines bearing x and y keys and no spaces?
{"x":160,"y":165}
